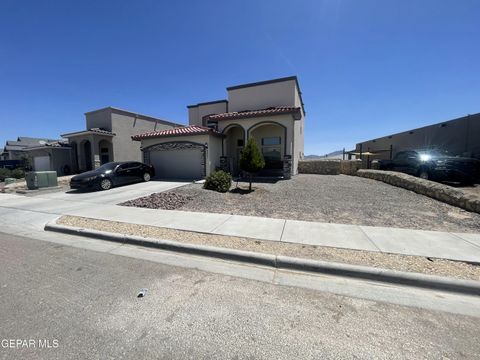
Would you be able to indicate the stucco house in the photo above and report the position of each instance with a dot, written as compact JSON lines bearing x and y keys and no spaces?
{"x":16,"y":149}
{"x":108,"y":137}
{"x":45,"y":154}
{"x":51,"y":156}
{"x":270,"y":111}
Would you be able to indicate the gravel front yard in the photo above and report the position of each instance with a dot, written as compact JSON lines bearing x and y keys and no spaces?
{"x":335,"y":199}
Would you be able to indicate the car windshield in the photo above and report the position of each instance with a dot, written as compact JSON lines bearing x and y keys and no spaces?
{"x":108,"y":166}
{"x":432,"y":154}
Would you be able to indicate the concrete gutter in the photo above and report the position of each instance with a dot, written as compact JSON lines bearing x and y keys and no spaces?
{"x":469,"y":287}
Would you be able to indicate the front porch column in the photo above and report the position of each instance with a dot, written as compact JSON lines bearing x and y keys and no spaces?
{"x":96,"y":152}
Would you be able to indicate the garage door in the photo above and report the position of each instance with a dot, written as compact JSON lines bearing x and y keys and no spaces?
{"x":41,"y":163}
{"x":178,"y":163}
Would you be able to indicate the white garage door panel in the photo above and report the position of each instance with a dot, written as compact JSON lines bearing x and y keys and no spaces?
{"x":41,"y":163}
{"x":178,"y":164}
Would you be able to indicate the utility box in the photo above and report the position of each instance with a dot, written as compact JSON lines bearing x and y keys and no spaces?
{"x":41,"y":179}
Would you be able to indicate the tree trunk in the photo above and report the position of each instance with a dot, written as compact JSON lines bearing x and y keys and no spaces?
{"x":250,"y":185}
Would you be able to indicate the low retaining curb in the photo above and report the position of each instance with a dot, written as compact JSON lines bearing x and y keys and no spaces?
{"x":469,"y":287}
{"x":437,"y":191}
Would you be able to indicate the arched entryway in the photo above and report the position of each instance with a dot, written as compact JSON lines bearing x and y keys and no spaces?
{"x":86,"y":148}
{"x":105,"y":151}
{"x":233,"y":144}
{"x":271,"y":140}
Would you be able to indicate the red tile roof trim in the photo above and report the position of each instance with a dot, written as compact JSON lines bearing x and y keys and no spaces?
{"x":255,"y":113}
{"x":180,"y":131}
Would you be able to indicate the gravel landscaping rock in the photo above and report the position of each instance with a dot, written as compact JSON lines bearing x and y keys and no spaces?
{"x":334,"y":199}
{"x":357,"y":257}
{"x":165,"y":200}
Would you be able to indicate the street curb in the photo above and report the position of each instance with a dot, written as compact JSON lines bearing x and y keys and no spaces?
{"x":469,"y":287}
{"x":204,"y":250}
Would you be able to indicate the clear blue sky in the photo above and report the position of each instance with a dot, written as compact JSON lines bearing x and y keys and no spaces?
{"x":366,"y":68}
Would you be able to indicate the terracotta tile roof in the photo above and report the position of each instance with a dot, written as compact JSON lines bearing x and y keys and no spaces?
{"x":180,"y":131}
{"x":255,"y":113}
{"x":101,"y":131}
{"x":92,"y":130}
{"x":58,"y":144}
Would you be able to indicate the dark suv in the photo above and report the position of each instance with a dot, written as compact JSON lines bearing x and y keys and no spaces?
{"x":434,"y":165}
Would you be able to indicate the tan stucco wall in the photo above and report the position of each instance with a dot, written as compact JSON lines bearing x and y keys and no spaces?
{"x":195,"y":114}
{"x":99,"y":119}
{"x":262,"y":96}
{"x":124,"y":126}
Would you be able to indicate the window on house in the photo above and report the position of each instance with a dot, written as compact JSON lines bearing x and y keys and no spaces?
{"x":276,"y":140}
{"x":271,"y":148}
{"x":240,"y":142}
{"x":212,"y":125}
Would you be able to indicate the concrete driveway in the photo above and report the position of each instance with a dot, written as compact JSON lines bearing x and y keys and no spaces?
{"x":115,"y":195}
{"x":19,"y":211}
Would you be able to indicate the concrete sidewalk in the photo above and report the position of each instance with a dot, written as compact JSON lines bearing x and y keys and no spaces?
{"x":454,"y":246}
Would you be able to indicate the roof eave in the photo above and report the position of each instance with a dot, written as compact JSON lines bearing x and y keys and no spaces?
{"x":297,"y":115}
{"x":135,"y":138}
{"x":86,"y":132}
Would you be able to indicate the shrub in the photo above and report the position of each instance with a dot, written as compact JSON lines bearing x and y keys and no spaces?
{"x":5,"y":173}
{"x":17,"y":173}
{"x":218,"y":181}
{"x":251,"y":160}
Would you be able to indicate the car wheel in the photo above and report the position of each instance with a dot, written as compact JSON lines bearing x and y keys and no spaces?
{"x":423,"y":174}
{"x":146,"y":177}
{"x":106,"y":184}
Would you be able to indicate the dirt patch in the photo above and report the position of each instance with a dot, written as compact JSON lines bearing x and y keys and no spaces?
{"x":357,"y":257}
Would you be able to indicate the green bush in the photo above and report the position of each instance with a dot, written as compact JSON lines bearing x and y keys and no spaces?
{"x":17,"y":173}
{"x":218,"y":181}
{"x":5,"y":173}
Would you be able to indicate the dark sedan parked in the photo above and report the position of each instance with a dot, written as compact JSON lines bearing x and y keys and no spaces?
{"x":434,"y":165}
{"x":113,"y":174}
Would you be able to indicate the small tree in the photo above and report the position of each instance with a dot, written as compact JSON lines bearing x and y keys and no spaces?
{"x":251,"y":160}
{"x":27,"y":162}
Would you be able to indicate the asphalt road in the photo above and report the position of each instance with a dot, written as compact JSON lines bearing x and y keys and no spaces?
{"x":85,"y":303}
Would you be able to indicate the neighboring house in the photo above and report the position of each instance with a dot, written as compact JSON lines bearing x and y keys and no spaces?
{"x":51,"y":156}
{"x":16,"y":149}
{"x":459,"y":136}
{"x":107,"y":137}
{"x":271,"y":112}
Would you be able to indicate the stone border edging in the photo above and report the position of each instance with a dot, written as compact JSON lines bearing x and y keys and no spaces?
{"x":434,"y":190}
{"x":469,"y":287}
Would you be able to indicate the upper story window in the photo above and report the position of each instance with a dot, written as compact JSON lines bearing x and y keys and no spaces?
{"x":212,"y":125}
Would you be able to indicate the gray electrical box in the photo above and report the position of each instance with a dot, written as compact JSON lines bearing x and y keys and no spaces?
{"x":41,"y":179}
